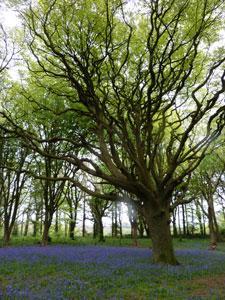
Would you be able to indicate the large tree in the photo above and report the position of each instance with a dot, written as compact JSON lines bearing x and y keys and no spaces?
{"x":141,"y":83}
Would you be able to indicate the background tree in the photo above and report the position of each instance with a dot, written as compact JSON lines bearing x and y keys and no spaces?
{"x":73,"y":197}
{"x":98,"y":211}
{"x":208,"y":178}
{"x":14,"y":162}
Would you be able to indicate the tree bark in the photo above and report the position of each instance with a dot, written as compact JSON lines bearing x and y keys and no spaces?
{"x":159,"y":224}
{"x":8,"y":227}
{"x":213,"y":226}
{"x":134,"y":229}
{"x":140,"y":228}
{"x":84,"y":219}
{"x":47,"y":225}
{"x":26,"y":226}
{"x":100,"y":230}
{"x":7,"y":235}
{"x":57,"y":221}
{"x":174,"y":223}
{"x":45,"y":236}
{"x":187,"y":222}
{"x":72,"y":225}
{"x":184,"y":221}
{"x":34,"y":228}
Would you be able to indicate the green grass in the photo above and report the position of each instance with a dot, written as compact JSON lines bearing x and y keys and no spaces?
{"x":184,"y":243}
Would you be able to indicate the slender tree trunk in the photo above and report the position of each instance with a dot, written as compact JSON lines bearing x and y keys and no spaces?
{"x":204,"y":227}
{"x":71,"y":229}
{"x":94,"y":229}
{"x":223,"y":211}
{"x":116,"y":221}
{"x":121,"y":228}
{"x":159,"y":223}
{"x":22,"y":224}
{"x":15,"y":229}
{"x":184,"y":221}
{"x":179,"y":221}
{"x":36,"y":224}
{"x":174,"y":223}
{"x":57,"y":221}
{"x":146,"y":226}
{"x":34,"y":228}
{"x":100,"y":230}
{"x":192,"y":221}
{"x":120,"y":223}
{"x":113,"y":221}
{"x":84,"y":219}
{"x":199,"y":217}
{"x":41,"y":222}
{"x":26,"y":226}
{"x":187,"y":222}
{"x":140,"y":228}
{"x":66,"y":229}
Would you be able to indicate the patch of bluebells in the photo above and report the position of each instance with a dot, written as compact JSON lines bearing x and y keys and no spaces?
{"x":98,"y":272}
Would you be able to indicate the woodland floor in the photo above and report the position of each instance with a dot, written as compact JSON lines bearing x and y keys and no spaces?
{"x":115,"y":270}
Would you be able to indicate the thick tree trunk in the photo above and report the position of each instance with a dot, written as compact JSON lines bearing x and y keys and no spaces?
{"x":45,"y":236}
{"x":98,"y":229}
{"x":134,"y":229}
{"x":6,"y":236}
{"x":101,"y":231}
{"x":162,"y":245}
{"x":8,"y":227}
{"x":213,"y":229}
{"x":47,"y":225}
{"x":213,"y":225}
